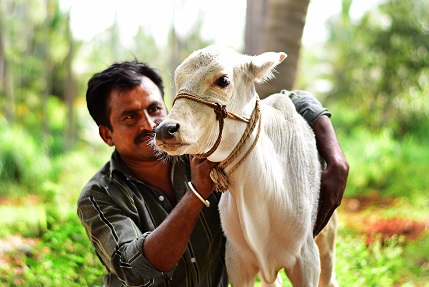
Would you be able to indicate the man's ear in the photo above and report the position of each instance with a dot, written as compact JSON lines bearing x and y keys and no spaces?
{"x":106,"y":135}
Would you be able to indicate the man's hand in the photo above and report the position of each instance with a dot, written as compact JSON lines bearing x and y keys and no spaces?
{"x":333,"y":184}
{"x":200,"y":175}
{"x":334,"y":177}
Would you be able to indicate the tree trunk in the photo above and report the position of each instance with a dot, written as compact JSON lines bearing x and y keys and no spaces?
{"x":276,"y":25}
{"x":70,"y":91}
{"x":1,"y":49}
{"x":6,"y":79}
{"x":255,"y":22}
{"x":47,"y":75}
{"x":6,"y":76}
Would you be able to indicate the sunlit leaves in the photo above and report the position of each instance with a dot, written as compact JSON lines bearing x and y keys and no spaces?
{"x":380,"y":63}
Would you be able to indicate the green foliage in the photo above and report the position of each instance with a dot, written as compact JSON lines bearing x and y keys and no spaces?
{"x":64,"y":257}
{"x":380,"y":162}
{"x":23,"y":164}
{"x":410,"y":169}
{"x":416,"y":256}
{"x":55,"y":116}
{"x":372,"y":157}
{"x":380,"y":64}
{"x":374,"y":265}
{"x":26,"y":220}
{"x":34,"y":53}
{"x":391,"y":263}
{"x":74,"y":169}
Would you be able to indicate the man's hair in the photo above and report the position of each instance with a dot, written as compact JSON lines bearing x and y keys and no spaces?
{"x":123,"y":75}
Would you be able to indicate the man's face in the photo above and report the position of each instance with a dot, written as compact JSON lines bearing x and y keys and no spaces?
{"x":133,"y":115}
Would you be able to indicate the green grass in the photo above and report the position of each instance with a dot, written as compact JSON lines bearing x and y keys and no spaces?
{"x":63,"y":257}
{"x":393,"y":263}
{"x":381,"y":264}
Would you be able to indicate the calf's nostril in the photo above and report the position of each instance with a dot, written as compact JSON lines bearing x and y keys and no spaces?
{"x":167,"y":130}
{"x":173,"y":128}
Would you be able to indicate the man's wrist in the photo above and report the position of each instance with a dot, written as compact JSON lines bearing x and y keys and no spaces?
{"x":197,"y":194}
{"x":340,"y":165}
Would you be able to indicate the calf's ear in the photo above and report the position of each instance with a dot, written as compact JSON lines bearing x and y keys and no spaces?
{"x":261,"y":67}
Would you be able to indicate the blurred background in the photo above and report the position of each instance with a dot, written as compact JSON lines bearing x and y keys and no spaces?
{"x":366,"y":61}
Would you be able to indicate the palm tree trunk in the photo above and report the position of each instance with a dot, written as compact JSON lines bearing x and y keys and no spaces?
{"x":279,"y":27}
{"x":256,"y":12}
{"x":6,"y":79}
{"x":1,"y":49}
{"x":70,"y":92}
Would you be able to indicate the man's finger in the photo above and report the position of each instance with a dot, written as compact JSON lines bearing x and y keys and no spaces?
{"x":322,"y":222}
{"x":319,"y":222}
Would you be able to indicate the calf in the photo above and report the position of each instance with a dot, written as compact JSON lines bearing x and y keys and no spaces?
{"x":268,"y":165}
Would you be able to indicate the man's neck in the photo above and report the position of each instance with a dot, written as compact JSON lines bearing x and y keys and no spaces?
{"x":155,"y":173}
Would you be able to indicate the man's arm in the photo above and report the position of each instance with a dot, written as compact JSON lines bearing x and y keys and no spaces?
{"x":118,"y":241}
{"x":334,"y":177}
{"x":165,"y":245}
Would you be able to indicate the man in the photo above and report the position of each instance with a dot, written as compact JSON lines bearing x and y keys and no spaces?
{"x":144,"y":224}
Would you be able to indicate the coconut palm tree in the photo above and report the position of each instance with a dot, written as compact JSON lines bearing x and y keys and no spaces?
{"x":276,"y":25}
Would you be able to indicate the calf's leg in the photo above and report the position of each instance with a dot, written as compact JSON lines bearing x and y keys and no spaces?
{"x":326,"y":243}
{"x":306,"y":271}
{"x":241,"y":270}
{"x":277,"y":283}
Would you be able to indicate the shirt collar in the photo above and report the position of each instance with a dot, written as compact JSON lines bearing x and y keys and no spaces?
{"x":178,"y":169}
{"x":118,"y":166}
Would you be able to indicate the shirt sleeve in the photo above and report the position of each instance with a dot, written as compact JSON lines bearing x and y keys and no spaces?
{"x":116,"y":239}
{"x":307,"y":105}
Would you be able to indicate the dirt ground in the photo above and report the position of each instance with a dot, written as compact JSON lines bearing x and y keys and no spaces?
{"x":378,"y":227}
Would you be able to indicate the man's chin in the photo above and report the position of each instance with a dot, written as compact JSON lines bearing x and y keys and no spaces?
{"x":174,"y":149}
{"x":160,"y":154}
{"x":148,"y":149}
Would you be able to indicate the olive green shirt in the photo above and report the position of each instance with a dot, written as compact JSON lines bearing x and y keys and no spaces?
{"x":119,"y":211}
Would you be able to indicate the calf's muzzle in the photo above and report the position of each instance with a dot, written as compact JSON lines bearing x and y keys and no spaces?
{"x":166,"y":131}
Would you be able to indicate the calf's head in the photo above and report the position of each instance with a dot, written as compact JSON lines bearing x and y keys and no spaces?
{"x":210,"y":82}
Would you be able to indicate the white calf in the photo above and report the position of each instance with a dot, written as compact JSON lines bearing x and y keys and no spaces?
{"x":268,"y":162}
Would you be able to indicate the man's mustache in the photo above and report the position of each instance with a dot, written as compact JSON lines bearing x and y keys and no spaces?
{"x":141,"y":136}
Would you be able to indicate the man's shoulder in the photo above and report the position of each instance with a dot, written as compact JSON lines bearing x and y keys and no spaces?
{"x":95,"y":183}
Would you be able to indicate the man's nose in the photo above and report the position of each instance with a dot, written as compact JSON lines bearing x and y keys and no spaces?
{"x":147,"y":122}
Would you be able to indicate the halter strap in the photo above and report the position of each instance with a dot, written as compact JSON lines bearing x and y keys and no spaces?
{"x":218,"y":107}
{"x":221,"y":114}
{"x":217,"y":173}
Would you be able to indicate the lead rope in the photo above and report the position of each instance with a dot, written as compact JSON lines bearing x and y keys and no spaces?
{"x":217,"y":173}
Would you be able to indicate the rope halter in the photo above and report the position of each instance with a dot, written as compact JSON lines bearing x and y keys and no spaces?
{"x":217,"y":173}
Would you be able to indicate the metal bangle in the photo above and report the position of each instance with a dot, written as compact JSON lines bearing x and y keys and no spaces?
{"x":205,"y":201}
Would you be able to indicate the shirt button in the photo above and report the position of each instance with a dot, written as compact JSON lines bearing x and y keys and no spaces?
{"x":193,"y":260}
{"x":161,"y":198}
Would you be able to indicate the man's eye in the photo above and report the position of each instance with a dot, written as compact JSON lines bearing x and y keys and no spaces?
{"x":154,"y":109}
{"x":223,"y":82}
{"x":131,"y":116}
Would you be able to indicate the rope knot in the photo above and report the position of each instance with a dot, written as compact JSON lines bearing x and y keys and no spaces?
{"x":219,"y":178}
{"x":220,"y":111}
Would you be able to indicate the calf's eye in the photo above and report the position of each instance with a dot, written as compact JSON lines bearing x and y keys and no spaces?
{"x":223,"y":82}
